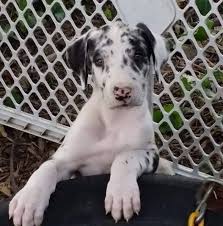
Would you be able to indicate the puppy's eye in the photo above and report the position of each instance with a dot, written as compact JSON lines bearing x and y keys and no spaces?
{"x":99,"y":62}
{"x":139,"y":55}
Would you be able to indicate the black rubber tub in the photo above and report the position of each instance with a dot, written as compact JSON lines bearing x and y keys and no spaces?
{"x":166,"y":201}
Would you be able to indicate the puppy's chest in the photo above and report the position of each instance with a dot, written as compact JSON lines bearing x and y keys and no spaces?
{"x":114,"y":140}
{"x":102,"y":153}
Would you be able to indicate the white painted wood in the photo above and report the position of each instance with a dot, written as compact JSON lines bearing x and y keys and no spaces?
{"x":156,"y":14}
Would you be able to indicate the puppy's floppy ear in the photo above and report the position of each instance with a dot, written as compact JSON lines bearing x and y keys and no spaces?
{"x":156,"y":46}
{"x":78,"y":59}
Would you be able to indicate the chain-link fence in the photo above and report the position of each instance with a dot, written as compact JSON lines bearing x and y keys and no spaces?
{"x":39,"y":94}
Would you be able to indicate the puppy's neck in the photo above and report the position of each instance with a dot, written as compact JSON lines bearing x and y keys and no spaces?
{"x":110,"y":115}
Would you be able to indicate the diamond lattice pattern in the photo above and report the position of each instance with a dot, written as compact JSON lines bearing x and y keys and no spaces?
{"x":188,"y":98}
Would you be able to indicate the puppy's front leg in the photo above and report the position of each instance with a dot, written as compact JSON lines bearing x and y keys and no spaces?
{"x":28,"y":205}
{"x":122,"y":195}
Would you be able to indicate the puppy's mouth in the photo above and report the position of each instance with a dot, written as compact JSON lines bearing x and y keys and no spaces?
{"x":123,"y":102}
{"x":126,"y":104}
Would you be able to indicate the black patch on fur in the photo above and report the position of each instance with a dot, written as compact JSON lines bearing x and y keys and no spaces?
{"x":140,"y":165}
{"x":134,"y":41}
{"x":91,"y":43}
{"x":79,"y":56}
{"x":128,"y":51}
{"x":102,"y":37}
{"x":107,"y":69}
{"x":112,"y":52}
{"x":145,"y":72}
{"x":149,"y":39}
{"x":103,"y":84}
{"x":105,"y":28}
{"x":147,"y":162}
{"x":134,"y":67}
{"x":155,"y":162}
{"x":143,"y":86}
{"x":126,"y":161}
{"x":121,"y":24}
{"x":76,"y":55}
{"x":124,"y":34}
{"x":140,"y":60}
{"x":134,"y":78}
{"x":109,"y":42}
{"x":118,"y":20}
{"x":125,"y":60}
{"x":138,"y":54}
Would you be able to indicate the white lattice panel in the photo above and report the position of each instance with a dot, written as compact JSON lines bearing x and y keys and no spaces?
{"x":34,"y":77}
{"x":38,"y":93}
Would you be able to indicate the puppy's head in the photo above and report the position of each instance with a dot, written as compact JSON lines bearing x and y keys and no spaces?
{"x":120,"y":60}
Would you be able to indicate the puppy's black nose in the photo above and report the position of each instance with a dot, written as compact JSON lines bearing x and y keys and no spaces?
{"x":122,"y":93}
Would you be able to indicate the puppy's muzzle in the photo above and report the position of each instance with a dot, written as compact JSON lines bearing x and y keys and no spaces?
{"x":122,"y":93}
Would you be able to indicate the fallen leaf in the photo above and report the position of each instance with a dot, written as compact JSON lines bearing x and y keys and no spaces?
{"x":4,"y":188}
{"x":2,"y":131}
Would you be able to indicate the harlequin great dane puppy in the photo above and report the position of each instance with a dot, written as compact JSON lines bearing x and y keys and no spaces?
{"x":113,"y":132}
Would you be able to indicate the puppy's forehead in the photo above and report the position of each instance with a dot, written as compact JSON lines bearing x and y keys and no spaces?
{"x":123,"y":35}
{"x":117,"y":35}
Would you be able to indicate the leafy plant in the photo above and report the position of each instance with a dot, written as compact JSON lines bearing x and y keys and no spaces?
{"x":203,"y":6}
{"x":8,"y":102}
{"x":209,"y":23}
{"x":58,"y":12}
{"x":49,"y":1}
{"x":108,"y":13}
{"x":168,"y":107}
{"x":209,"y":87}
{"x":157,"y":115}
{"x":30,"y":18}
{"x":165,"y":128}
{"x":21,"y":4}
{"x":218,"y":76}
{"x":17,"y":95}
{"x":109,"y":10}
{"x":176,"y":120}
{"x":200,"y":34}
{"x":206,"y":84}
{"x":186,"y":83}
{"x":21,"y":28}
{"x":5,"y":27}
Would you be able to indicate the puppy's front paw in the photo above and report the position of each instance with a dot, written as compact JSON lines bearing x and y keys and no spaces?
{"x":165,"y":167}
{"x":122,"y":197}
{"x":28,"y":205}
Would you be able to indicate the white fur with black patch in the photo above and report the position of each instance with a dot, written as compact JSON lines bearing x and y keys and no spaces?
{"x":113,"y":132}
